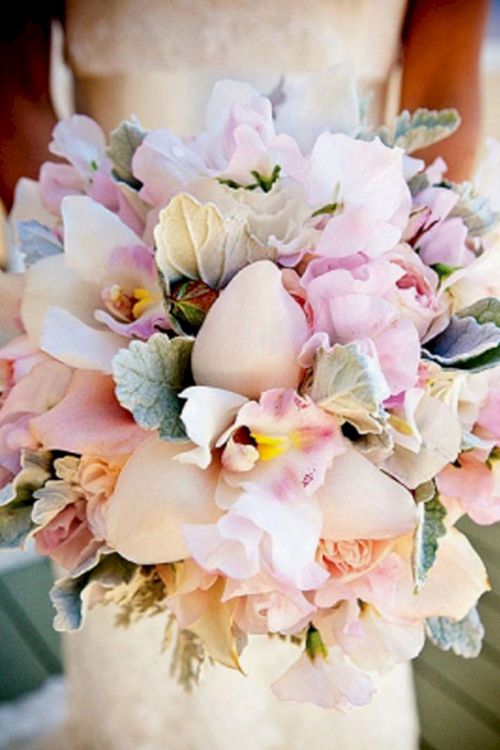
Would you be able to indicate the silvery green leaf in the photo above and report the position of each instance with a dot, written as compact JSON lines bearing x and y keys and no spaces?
{"x":430,"y":528}
{"x":483,"y":311}
{"x":124,"y":142}
{"x":56,"y":494}
{"x":464,"y":638}
{"x":423,"y":128}
{"x":149,"y":376}
{"x":466,"y":344}
{"x":349,"y":384}
{"x":16,"y":500}
{"x":72,"y":596}
{"x":474,"y":210}
{"x":36,"y":241}
{"x":412,"y":132}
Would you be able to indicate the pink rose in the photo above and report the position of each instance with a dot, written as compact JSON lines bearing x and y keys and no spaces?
{"x":66,"y":539}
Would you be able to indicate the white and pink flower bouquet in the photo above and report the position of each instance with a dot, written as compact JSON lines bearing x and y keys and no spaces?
{"x":251,"y":380}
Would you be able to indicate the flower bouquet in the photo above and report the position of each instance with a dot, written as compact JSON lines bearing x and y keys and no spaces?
{"x":251,"y":381}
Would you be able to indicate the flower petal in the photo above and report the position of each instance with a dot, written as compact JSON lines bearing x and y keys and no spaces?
{"x":145,"y":522}
{"x":91,"y":233}
{"x":361,"y":502}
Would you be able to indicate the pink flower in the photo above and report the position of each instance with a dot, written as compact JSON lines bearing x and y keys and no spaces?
{"x":439,"y":237}
{"x":96,"y":477}
{"x":67,"y":538}
{"x":475,"y":484}
{"x":349,"y":305}
{"x":329,"y":681}
{"x":366,"y":184}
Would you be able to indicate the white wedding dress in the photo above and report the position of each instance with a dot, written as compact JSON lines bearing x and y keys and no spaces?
{"x":158,"y":59}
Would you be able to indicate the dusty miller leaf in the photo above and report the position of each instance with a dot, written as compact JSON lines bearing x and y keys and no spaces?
{"x":348,"y":383}
{"x":36,"y":241}
{"x":474,"y":210}
{"x":149,"y":376}
{"x":483,"y":311}
{"x":464,"y":638}
{"x":71,"y":596}
{"x":430,"y":528}
{"x":412,"y":132}
{"x":466,"y":344}
{"x":124,"y":142}
{"x":424,"y":127}
{"x":16,"y":499}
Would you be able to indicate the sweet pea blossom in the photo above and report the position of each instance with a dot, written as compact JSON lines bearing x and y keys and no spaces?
{"x":349,"y":305}
{"x":329,"y":681}
{"x":362,"y":184}
{"x":475,"y":483}
{"x":439,"y":237}
{"x":80,"y":141}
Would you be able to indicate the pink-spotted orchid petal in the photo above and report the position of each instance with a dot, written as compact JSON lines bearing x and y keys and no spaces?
{"x":290,"y":444}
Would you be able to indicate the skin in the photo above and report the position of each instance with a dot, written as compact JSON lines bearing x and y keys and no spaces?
{"x":441,"y":68}
{"x":441,"y":50}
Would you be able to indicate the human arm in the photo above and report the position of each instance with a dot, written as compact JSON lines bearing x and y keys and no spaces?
{"x":441,"y":68}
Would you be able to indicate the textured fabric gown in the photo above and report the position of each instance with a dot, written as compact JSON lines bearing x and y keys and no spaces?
{"x":158,"y":60}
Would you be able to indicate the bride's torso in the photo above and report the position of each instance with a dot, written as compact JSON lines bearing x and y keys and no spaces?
{"x":158,"y":59}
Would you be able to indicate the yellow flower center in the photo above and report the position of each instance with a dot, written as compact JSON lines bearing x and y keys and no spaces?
{"x":271,"y":446}
{"x":145,"y":299}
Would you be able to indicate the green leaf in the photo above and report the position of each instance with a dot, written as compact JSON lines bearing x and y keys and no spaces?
{"x":349,"y":384}
{"x":73,"y":595}
{"x":124,"y":142}
{"x":36,"y":241}
{"x":430,"y":528}
{"x":464,"y":638}
{"x":17,"y":498}
{"x":149,"y":376}
{"x":474,"y":210}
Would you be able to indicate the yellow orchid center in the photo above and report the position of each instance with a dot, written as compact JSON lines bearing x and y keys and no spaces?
{"x":401,"y":425}
{"x":271,"y":446}
{"x":145,"y":299}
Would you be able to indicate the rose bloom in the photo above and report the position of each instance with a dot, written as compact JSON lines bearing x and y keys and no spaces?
{"x":97,"y":478}
{"x":66,"y":539}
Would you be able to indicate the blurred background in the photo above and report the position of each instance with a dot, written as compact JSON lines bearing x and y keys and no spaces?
{"x":459,"y":700}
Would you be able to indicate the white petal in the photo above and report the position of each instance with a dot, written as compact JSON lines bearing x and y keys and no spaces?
{"x":154,"y":498}
{"x":91,"y":232}
{"x":77,"y":344}
{"x":50,"y":283}
{"x":207,"y":413}
{"x":361,"y":502}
